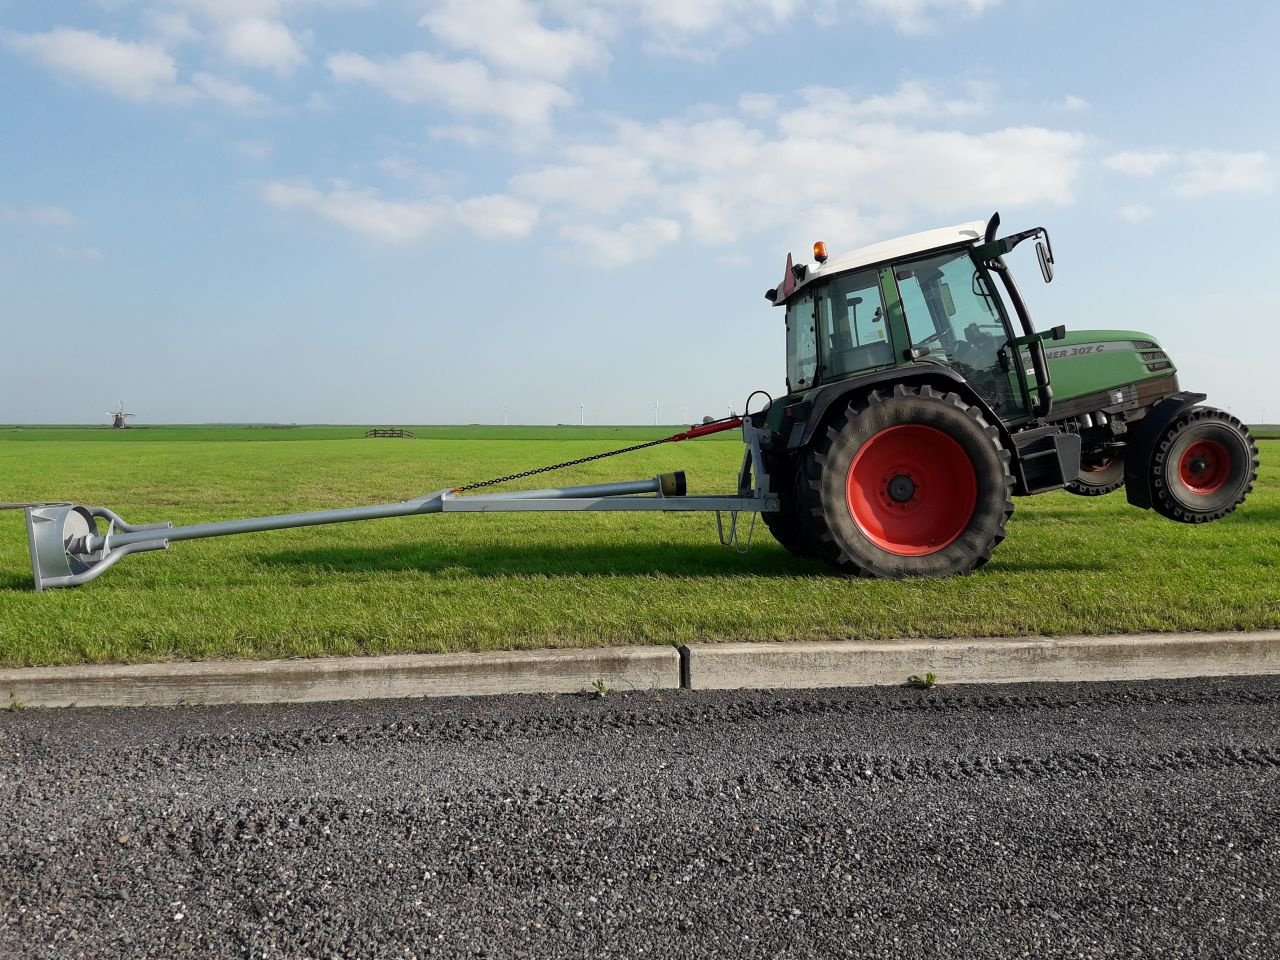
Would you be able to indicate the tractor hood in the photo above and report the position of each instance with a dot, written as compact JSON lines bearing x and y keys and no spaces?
{"x":1087,"y":362}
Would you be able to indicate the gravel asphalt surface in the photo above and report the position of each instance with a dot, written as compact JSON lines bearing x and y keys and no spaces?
{"x":1089,"y":820}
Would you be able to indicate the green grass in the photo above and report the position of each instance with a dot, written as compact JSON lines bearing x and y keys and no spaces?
{"x":468,"y":582}
{"x":277,"y":431}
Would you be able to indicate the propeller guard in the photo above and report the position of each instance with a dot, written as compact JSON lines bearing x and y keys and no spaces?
{"x":59,"y":535}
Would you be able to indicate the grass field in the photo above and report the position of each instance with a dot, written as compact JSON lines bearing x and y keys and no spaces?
{"x":467,"y":582}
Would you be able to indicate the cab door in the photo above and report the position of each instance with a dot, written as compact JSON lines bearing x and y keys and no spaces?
{"x":953,"y":311}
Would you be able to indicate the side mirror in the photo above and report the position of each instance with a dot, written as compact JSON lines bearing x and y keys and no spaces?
{"x":948,"y":302}
{"x":1044,"y":254}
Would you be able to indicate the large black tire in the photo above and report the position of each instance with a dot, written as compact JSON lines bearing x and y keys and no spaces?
{"x":787,"y":525}
{"x":910,"y":484}
{"x":1203,"y":466}
{"x":1098,"y":477}
{"x":788,"y":531}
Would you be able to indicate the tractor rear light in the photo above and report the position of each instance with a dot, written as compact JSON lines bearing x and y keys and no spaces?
{"x":820,"y":251}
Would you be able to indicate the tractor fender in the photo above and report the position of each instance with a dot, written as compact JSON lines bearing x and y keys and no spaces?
{"x":811,"y":413}
{"x":1141,"y":444}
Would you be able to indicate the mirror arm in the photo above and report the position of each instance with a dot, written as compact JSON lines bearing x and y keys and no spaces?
{"x":993,"y":249}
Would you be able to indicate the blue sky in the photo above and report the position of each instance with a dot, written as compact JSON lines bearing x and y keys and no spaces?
{"x":432,"y":211}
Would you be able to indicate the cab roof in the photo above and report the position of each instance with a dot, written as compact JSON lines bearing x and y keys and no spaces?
{"x":890,"y":250}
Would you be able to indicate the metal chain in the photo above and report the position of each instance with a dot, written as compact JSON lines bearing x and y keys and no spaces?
{"x":559,"y":466}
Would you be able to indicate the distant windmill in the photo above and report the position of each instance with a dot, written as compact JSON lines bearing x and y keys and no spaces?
{"x":117,"y":417}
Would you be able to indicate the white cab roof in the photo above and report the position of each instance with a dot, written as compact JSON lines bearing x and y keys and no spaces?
{"x":896,"y":249}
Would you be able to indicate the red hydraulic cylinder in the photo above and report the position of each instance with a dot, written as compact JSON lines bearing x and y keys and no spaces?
{"x":705,"y":429}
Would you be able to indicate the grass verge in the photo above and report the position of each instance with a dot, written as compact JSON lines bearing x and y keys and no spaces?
{"x":469,"y":582}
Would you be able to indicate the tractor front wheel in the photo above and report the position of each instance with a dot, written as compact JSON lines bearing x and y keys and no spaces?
{"x":1204,"y":465}
{"x":912,"y":484}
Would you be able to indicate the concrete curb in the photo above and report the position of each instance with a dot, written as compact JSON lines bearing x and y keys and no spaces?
{"x":343,"y":678}
{"x":732,"y":666}
{"x":697,"y":666}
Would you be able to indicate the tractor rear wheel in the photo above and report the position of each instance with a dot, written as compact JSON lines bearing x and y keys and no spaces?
{"x":909,"y":484}
{"x":1204,"y":465}
{"x":1098,"y":477}
{"x":787,"y":525}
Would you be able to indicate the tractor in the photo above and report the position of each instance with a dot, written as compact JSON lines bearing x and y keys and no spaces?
{"x":920,"y":401}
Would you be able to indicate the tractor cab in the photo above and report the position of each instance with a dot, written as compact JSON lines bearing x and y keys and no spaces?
{"x":924,"y":299}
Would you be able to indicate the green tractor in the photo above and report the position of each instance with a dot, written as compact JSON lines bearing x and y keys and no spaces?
{"x":915,"y":412}
{"x":921,"y":401}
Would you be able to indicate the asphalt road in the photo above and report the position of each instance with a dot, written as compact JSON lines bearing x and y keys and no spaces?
{"x":1092,"y":820}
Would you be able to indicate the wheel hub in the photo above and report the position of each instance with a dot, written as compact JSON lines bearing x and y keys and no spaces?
{"x":901,"y":488}
{"x":1204,"y":466}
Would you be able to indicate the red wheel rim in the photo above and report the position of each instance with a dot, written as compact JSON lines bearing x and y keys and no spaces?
{"x":1204,"y":467}
{"x":911,"y":490}
{"x":1098,"y":467}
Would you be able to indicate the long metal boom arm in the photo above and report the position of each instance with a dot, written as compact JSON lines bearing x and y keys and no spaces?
{"x":69,"y":546}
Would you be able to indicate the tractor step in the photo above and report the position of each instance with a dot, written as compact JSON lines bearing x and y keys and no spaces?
{"x":1047,"y":458}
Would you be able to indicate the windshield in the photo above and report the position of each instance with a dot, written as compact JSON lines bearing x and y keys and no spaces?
{"x":952,"y":310}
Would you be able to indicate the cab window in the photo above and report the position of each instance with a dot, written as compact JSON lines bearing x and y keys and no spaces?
{"x":852,"y":325}
{"x":802,"y":344}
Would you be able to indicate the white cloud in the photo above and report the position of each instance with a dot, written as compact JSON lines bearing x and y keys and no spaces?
{"x":916,"y":16}
{"x":460,"y":133}
{"x":135,"y":71}
{"x":171,"y":28}
{"x":1208,"y":172}
{"x":227,"y":11}
{"x":496,"y":216}
{"x":832,"y":164}
{"x":464,"y":86}
{"x":229,"y":93}
{"x":38,"y":216}
{"x":400,"y":222}
{"x":697,"y":29}
{"x":1138,"y":163}
{"x":598,"y":179}
{"x":1200,"y":173}
{"x":521,"y":46}
{"x":628,"y":243}
{"x":1073,"y":104}
{"x":264,"y":44}
{"x":759,"y":106}
{"x":702,"y":16}
{"x":1135,"y":212}
{"x":361,"y":211}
